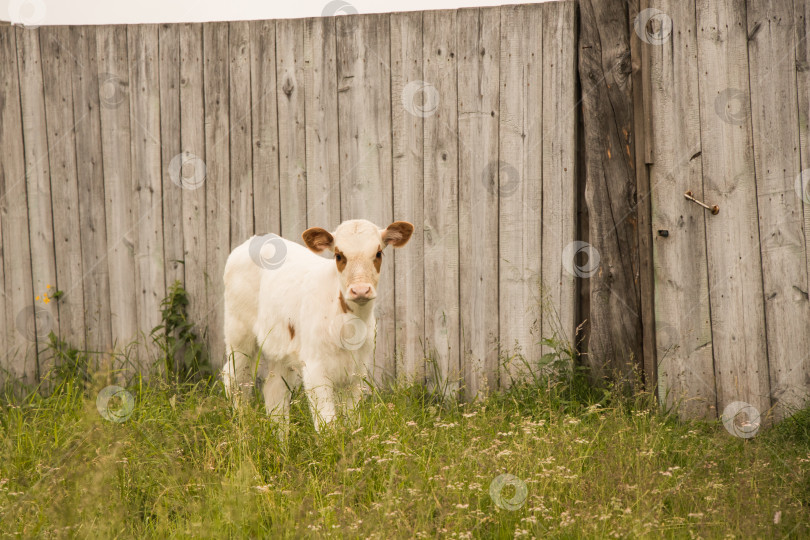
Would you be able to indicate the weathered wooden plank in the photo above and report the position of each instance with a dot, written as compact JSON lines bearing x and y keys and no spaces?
{"x":142,"y":47}
{"x":20,"y":314}
{"x":56,"y":71}
{"x":114,"y":88}
{"x":732,"y":237}
{"x":777,"y":161}
{"x":321,"y":99}
{"x":290,"y":96}
{"x":478,"y":122}
{"x":614,"y":347}
{"x":217,"y":154}
{"x":266,"y":209}
{"x":169,"y":62}
{"x":801,"y":15}
{"x":520,"y":226}
{"x":192,"y":143}
{"x":90,"y":175}
{"x":411,"y":100}
{"x":38,"y":174}
{"x":241,"y":143}
{"x":364,"y":109}
{"x":441,"y":241}
{"x":683,"y":328}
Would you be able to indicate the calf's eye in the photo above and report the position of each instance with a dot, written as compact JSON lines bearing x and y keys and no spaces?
{"x":379,"y":254}
{"x":338,"y":257}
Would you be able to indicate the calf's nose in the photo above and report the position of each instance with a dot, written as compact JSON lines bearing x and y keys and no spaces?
{"x":360,"y":291}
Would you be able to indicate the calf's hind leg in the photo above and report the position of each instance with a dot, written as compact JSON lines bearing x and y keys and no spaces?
{"x":242,"y":354}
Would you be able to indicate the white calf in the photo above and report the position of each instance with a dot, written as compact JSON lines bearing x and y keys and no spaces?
{"x":311,"y":318}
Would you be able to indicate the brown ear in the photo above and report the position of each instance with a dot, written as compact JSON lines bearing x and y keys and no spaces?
{"x":397,"y":234}
{"x":318,"y":239}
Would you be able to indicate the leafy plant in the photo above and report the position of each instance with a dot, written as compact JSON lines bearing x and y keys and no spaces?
{"x":184,"y":353}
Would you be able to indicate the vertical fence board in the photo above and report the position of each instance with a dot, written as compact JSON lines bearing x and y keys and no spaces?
{"x":801,"y":16}
{"x":441,"y":242}
{"x":18,"y":286}
{"x":144,"y":96}
{"x":266,"y":209}
{"x":241,"y":134}
{"x":290,"y":95}
{"x":520,"y":188}
{"x":38,"y":174}
{"x":559,"y":176}
{"x":90,"y":175}
{"x":409,"y":105}
{"x":478,"y":82}
{"x":735,"y":275}
{"x":683,"y":328}
{"x":114,"y":88}
{"x":192,"y":144}
{"x":774,"y":108}
{"x":169,"y":62}
{"x":321,"y":99}
{"x":364,"y":115}
{"x":56,"y":71}
{"x":217,"y":152}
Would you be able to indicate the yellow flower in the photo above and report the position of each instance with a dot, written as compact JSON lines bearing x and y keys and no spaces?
{"x":46,"y":300}
{"x":37,"y":298}
{"x":48,"y":286}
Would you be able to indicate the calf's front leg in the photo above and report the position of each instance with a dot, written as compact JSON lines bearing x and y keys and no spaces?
{"x":321,"y":395}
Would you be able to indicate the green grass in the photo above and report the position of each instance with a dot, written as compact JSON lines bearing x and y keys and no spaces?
{"x":406,"y":465}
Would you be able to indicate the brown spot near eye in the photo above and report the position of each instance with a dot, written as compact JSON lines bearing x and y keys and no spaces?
{"x":343,"y":305}
{"x":291,"y":328}
{"x":340,"y":260}
{"x":378,"y":262}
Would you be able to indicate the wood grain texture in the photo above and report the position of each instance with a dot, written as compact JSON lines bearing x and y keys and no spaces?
{"x":38,"y":175}
{"x":777,"y":162}
{"x":614,"y":348}
{"x":56,"y":72}
{"x":169,"y":61}
{"x":20,"y":314}
{"x":478,"y":123}
{"x":321,"y":101}
{"x":441,"y":241}
{"x":142,"y":48}
{"x":90,"y":175}
{"x":364,"y":116}
{"x":266,"y":204}
{"x":520,"y":225}
{"x":217,"y":193}
{"x":683,"y":327}
{"x":291,"y":99}
{"x":192,"y":143}
{"x":409,"y":106}
{"x":801,"y":17}
{"x":735,"y":274}
{"x":114,"y":89}
{"x":241,"y":157}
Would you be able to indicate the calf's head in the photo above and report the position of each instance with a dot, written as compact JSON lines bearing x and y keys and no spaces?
{"x":358,"y":246}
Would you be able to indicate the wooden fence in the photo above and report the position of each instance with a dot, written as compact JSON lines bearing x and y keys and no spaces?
{"x":730,"y":107}
{"x":134,"y":156}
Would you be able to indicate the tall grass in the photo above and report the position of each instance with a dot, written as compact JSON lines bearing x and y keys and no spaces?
{"x":406,"y":465}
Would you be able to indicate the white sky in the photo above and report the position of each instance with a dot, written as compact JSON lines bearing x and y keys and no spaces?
{"x":42,"y":12}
